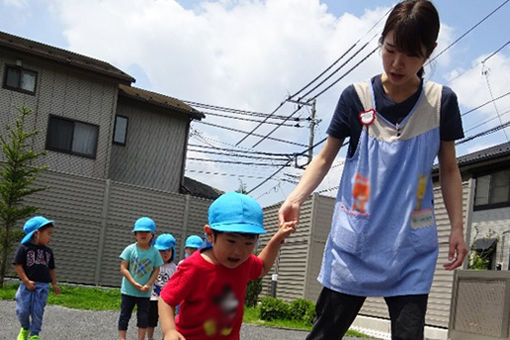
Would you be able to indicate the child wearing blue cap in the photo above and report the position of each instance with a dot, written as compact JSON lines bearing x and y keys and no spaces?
{"x":210,"y":285}
{"x":192,"y":244}
{"x":139,"y":267}
{"x":165,"y":243}
{"x":35,"y":265}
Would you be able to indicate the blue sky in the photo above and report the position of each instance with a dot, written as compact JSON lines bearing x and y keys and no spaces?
{"x":251,"y":54}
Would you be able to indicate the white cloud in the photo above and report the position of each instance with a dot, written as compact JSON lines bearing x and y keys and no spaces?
{"x":242,"y":54}
{"x":16,"y":3}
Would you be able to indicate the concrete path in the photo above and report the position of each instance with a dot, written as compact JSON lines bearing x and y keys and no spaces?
{"x":61,"y":323}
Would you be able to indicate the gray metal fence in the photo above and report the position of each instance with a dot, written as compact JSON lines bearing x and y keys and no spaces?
{"x":94,"y":218}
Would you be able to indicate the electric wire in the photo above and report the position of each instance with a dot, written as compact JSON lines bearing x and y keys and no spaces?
{"x":242,"y":131}
{"x":484,"y":133}
{"x":466,"y":33}
{"x":340,"y":58}
{"x":486,"y":103}
{"x":251,"y":119}
{"x":233,"y":162}
{"x":244,"y":151}
{"x":336,"y":61}
{"x":471,"y":128}
{"x":319,"y":94}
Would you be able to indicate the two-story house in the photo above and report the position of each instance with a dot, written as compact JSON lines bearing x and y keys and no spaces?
{"x":114,"y":153}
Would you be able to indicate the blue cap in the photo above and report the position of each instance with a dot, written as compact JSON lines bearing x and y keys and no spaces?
{"x":164,"y":242}
{"x":193,"y":241}
{"x":236,"y":213}
{"x":145,"y":224}
{"x":32,"y":225}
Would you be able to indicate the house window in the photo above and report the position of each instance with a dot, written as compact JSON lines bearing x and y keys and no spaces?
{"x":20,"y":79}
{"x":493,"y":190}
{"x":71,"y":136}
{"x":120,"y":131}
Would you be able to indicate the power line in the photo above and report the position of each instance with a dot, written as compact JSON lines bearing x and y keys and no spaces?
{"x":222,"y":174}
{"x":231,"y":110}
{"x":268,"y":178}
{"x":316,"y":78}
{"x":242,"y":131}
{"x":234,"y":162}
{"x":484,"y":133}
{"x":483,"y":61}
{"x":340,"y":58}
{"x":319,"y":94}
{"x":244,"y":151}
{"x":237,"y":155}
{"x":486,"y":103}
{"x":467,"y":32}
{"x":251,"y":119}
{"x":486,"y":121}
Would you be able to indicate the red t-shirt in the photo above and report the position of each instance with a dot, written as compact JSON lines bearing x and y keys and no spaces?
{"x":211,"y":297}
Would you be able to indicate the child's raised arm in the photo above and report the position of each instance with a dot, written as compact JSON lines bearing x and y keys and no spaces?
{"x":166,"y":317}
{"x":268,"y":254}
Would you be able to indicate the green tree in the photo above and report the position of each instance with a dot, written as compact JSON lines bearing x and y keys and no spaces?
{"x":17,"y":179}
{"x":242,"y":187}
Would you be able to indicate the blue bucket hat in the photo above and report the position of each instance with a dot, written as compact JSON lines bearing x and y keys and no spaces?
{"x":236,"y":213}
{"x":164,"y":242}
{"x":193,"y":241}
{"x":32,"y":225}
{"x":145,"y":224}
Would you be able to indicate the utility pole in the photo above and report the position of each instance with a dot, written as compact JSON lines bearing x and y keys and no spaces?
{"x":312,"y":132}
{"x":313,"y":122}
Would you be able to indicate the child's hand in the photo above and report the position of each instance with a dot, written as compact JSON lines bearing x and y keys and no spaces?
{"x":285,"y":229}
{"x":174,"y":335}
{"x":30,"y":285}
{"x":56,"y":289}
{"x":145,"y":288}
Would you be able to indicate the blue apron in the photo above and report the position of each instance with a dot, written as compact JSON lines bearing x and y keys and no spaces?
{"x":383,"y":238}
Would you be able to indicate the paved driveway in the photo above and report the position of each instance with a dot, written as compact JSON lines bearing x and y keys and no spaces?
{"x":66,"y":323}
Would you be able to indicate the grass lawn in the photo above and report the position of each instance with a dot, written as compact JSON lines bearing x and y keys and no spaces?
{"x":252,"y":316}
{"x":94,"y":298}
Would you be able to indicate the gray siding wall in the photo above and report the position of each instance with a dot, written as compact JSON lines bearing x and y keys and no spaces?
{"x":322,"y":214}
{"x":494,"y":223}
{"x":154,"y":150}
{"x":291,"y":263}
{"x":63,"y":92}
{"x":94,"y":219}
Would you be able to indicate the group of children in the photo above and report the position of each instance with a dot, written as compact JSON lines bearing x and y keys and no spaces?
{"x":208,"y":286}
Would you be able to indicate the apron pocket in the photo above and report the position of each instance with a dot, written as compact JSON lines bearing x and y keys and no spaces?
{"x":424,"y":239}
{"x":348,"y":241}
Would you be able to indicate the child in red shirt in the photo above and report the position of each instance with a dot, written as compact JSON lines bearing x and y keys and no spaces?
{"x":210,"y":285}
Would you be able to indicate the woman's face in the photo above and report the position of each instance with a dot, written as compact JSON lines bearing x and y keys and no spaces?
{"x":400,"y":67}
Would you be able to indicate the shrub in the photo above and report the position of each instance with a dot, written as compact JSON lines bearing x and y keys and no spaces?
{"x":272,"y":308}
{"x":299,"y":307}
{"x":252,"y":292}
{"x":310,"y":315}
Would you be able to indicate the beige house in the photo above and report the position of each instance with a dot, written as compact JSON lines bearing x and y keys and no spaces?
{"x":114,"y":153}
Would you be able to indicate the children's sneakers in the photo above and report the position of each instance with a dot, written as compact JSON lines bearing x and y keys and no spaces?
{"x":23,"y":334}
{"x":34,"y":337}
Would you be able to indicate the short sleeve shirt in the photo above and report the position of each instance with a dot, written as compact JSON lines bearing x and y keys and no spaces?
{"x":141,"y":264}
{"x":37,"y":261}
{"x":165,"y":273}
{"x":211,"y":297}
{"x":346,"y":123}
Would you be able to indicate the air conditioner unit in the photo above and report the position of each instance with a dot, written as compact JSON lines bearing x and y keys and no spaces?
{"x":480,"y":305}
